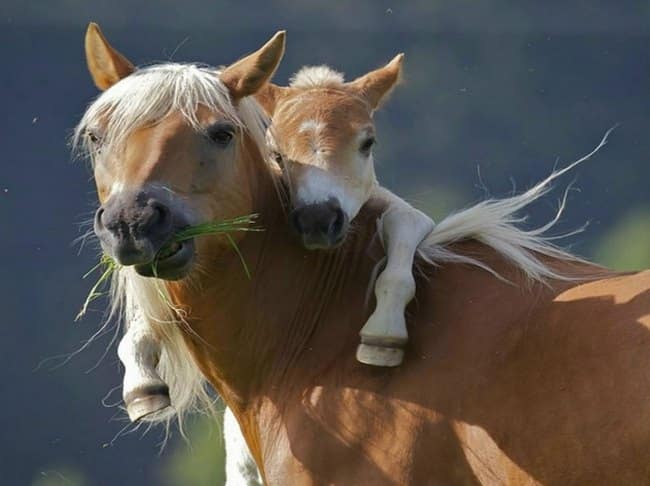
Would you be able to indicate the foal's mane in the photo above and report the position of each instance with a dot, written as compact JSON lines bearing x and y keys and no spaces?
{"x":152,"y":93}
{"x":316,"y":77}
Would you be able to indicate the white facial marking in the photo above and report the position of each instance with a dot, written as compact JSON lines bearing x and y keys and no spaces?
{"x":311,"y":126}
{"x":318,"y":186}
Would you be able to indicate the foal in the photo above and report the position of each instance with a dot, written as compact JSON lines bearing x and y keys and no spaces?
{"x":322,"y":136}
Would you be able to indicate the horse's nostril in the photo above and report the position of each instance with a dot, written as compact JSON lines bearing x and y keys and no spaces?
{"x":159,"y":213}
{"x":159,"y":217}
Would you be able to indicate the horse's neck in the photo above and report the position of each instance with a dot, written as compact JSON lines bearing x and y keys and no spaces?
{"x":251,"y":331}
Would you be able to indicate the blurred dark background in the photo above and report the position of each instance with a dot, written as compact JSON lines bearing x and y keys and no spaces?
{"x":495,"y":95}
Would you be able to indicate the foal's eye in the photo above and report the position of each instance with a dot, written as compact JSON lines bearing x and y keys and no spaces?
{"x":367,"y":145}
{"x":221,"y":134}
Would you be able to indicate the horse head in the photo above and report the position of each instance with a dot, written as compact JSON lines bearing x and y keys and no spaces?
{"x":166,"y":143}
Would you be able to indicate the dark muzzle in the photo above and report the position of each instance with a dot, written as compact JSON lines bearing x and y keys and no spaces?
{"x":321,"y":226}
{"x":134,"y":226}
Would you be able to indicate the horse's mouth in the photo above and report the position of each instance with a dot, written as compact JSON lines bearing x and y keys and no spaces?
{"x":172,"y":262}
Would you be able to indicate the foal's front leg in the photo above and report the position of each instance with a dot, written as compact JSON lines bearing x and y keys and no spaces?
{"x":143,"y":390}
{"x":384,"y":335}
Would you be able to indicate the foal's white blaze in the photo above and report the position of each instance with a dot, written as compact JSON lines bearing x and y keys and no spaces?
{"x":313,"y":126}
{"x":319,"y":181}
{"x":316,"y":186}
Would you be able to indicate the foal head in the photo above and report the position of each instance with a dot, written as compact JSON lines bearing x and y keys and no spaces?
{"x":322,"y":135}
{"x":167,"y":144}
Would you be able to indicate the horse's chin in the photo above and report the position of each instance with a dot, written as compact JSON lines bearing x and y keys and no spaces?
{"x":173,"y":266}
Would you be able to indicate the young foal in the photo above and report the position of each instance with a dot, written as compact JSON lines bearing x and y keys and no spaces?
{"x":322,"y":135}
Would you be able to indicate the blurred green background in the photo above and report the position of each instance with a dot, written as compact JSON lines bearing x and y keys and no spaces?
{"x":495,"y":95}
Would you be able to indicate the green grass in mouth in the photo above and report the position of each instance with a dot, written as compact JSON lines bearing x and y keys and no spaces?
{"x":107,"y":266}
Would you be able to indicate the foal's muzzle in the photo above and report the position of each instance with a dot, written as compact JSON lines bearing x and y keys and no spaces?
{"x":137,"y":228}
{"x":321,"y":225}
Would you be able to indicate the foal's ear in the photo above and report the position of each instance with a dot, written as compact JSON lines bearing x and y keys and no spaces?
{"x":377,"y":85}
{"x":248,"y":75}
{"x":270,"y":95}
{"x":106,"y":65}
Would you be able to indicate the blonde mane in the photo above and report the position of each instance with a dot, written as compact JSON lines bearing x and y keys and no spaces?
{"x":154,"y":92}
{"x":150,"y":94}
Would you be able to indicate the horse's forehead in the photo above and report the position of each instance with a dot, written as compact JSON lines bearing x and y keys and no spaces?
{"x":173,"y":127}
{"x":176,"y":120}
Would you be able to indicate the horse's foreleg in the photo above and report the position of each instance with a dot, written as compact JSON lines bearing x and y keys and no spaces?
{"x":143,"y":390}
{"x":384,"y":335}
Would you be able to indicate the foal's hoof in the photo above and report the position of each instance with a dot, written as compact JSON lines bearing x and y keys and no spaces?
{"x":146,"y":401}
{"x":374,"y":355}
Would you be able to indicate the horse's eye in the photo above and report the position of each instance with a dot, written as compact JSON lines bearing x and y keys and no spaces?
{"x":367,"y":145}
{"x":221,"y":133}
{"x":222,"y":137}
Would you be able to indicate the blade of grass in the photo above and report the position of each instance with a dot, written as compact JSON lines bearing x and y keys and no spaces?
{"x":241,"y":223}
{"x":109,"y":266}
{"x":239,"y":254}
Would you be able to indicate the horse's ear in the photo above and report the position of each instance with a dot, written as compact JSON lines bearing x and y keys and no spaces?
{"x":106,"y":65}
{"x":248,"y":75}
{"x":270,"y":95}
{"x":377,"y":85}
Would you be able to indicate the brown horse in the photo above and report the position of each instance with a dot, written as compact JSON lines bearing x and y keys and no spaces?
{"x":538,"y":374}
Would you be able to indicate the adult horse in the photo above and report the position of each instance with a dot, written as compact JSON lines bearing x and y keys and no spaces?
{"x":536,"y":371}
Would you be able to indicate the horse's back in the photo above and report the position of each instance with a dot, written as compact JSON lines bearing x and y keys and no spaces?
{"x":548,"y":384}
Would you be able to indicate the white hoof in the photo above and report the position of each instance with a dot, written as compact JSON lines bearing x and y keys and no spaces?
{"x":143,"y":402}
{"x":380,"y":355}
